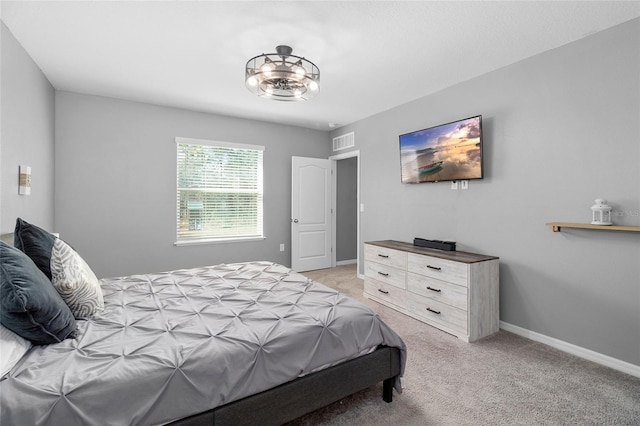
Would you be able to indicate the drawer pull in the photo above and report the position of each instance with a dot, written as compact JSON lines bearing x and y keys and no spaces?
{"x":434,"y":289}
{"x":437,"y":268}
{"x":383,"y":255}
{"x":435,"y":312}
{"x":384,"y":274}
{"x":383,"y":291}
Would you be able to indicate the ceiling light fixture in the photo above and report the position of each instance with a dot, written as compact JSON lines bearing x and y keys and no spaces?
{"x":282,"y":76}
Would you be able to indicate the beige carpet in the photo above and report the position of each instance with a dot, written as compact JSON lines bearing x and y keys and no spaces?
{"x":501,"y":380}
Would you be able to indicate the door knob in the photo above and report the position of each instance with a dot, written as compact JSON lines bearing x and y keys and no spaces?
{"x":294,"y":220}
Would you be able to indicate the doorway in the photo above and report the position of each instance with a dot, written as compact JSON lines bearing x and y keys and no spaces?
{"x":346,"y":202}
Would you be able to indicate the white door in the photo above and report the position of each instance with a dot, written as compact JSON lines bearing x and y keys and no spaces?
{"x":310,"y":213}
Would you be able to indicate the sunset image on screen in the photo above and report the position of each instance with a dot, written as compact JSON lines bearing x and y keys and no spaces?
{"x":447,"y":152}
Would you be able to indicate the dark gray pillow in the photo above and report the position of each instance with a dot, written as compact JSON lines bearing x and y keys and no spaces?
{"x":36,"y":243}
{"x":29,"y":305}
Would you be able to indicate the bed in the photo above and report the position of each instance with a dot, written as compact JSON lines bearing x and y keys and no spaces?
{"x":243,"y":343}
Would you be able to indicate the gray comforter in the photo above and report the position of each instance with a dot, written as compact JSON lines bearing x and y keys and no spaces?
{"x":173,"y":344}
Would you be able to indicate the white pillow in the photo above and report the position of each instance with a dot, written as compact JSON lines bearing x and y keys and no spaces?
{"x":12,"y":349}
{"x":75,"y":281}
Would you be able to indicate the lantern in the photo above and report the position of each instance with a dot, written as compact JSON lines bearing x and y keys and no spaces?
{"x":601,"y":213}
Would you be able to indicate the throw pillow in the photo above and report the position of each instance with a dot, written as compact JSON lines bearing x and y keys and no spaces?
{"x":36,"y":243}
{"x":75,"y":281}
{"x":29,"y":305}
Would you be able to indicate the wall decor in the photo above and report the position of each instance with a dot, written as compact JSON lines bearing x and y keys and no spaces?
{"x":601,"y":213}
{"x":24,"y":186}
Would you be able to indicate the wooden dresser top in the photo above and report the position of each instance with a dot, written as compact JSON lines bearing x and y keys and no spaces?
{"x":456,"y":256}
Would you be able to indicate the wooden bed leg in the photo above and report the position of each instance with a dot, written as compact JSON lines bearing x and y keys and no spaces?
{"x":387,"y":389}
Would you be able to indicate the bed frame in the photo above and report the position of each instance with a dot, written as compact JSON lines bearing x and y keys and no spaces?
{"x":308,"y":393}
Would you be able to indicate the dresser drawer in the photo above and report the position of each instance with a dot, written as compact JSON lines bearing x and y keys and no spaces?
{"x":437,"y":312}
{"x":386,"y":274}
{"x":385,"y":256}
{"x":385,"y":292}
{"x":441,"y":269}
{"x":441,"y":291}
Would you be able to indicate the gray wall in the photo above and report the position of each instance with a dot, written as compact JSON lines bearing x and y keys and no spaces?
{"x":116,"y":182}
{"x":26,"y":137}
{"x":347,"y":209}
{"x":560,"y":129}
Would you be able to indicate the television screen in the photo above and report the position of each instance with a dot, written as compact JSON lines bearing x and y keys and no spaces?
{"x":451,"y":151}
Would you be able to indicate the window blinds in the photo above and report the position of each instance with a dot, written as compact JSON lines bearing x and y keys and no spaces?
{"x":219,"y":190}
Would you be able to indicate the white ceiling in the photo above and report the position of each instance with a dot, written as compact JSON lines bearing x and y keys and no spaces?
{"x":372,"y":55}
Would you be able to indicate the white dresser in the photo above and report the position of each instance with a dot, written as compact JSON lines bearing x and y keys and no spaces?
{"x":454,"y":291}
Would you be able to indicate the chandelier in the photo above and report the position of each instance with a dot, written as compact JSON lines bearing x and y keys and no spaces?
{"x":282,"y":76}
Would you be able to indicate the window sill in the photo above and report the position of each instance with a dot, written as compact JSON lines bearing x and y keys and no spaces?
{"x":201,"y":241}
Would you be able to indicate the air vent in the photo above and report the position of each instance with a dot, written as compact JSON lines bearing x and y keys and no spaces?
{"x":344,"y":141}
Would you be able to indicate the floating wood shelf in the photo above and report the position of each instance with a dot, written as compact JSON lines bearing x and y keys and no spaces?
{"x":557,"y":225}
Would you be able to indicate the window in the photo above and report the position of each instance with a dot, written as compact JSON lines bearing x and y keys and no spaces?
{"x":219,"y":191}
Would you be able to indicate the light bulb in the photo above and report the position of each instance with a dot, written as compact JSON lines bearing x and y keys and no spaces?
{"x":313,"y":86}
{"x":297,"y":93}
{"x":252,"y":81}
{"x":267,"y":68}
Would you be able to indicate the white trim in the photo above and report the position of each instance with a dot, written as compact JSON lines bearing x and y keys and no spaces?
{"x":345,"y":155}
{"x":346,"y":262}
{"x":192,"y":141}
{"x":334,"y":201}
{"x":200,"y":241}
{"x":579,"y":351}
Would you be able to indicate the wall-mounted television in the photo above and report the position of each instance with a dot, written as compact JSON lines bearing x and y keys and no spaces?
{"x":451,"y":151}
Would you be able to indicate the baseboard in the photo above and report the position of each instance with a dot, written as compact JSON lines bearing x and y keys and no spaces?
{"x":579,"y":351}
{"x":346,"y":262}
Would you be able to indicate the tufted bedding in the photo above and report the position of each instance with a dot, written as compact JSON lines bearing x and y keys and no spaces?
{"x":170,"y":345}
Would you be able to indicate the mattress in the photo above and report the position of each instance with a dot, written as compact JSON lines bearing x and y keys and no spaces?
{"x":169,"y":345}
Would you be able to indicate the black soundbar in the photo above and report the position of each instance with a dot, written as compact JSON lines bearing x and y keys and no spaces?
{"x":436,"y":244}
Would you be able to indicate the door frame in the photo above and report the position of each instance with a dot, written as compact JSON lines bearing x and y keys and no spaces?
{"x":334,"y":203}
